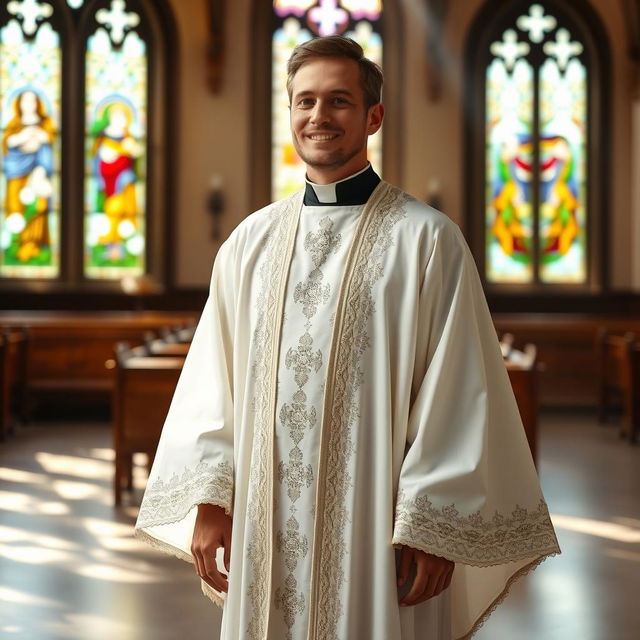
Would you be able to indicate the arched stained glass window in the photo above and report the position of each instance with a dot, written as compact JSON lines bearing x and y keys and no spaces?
{"x":536,"y":158}
{"x":116,"y":145}
{"x":296,"y":21}
{"x":537,"y":103}
{"x":30,"y":116}
{"x":78,"y":198}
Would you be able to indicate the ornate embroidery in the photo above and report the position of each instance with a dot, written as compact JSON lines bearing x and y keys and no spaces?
{"x":298,"y":416}
{"x":311,"y":293}
{"x":302,"y":360}
{"x":364,"y":267}
{"x":322,"y":243}
{"x":295,"y":475}
{"x":290,"y":601}
{"x":292,"y":544}
{"x":171,"y":501}
{"x":473,"y":539}
{"x":266,"y":335}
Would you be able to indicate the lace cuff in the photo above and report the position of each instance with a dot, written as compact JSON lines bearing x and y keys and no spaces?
{"x":474,"y":539}
{"x":167,"y":502}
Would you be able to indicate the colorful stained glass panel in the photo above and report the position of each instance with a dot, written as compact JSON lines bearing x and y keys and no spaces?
{"x":563,"y":171}
{"x":299,"y":21}
{"x":116,"y":156}
{"x":509,"y":215}
{"x":30,"y":79}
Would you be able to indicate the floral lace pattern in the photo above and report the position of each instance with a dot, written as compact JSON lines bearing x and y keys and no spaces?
{"x":474,"y":539}
{"x":166,"y":502}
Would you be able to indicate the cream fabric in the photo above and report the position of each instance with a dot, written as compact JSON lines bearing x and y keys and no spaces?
{"x":345,"y":393}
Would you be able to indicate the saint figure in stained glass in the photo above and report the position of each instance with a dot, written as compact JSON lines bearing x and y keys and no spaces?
{"x":114,"y":163}
{"x":27,"y":146}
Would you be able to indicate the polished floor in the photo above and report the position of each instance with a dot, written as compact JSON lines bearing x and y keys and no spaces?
{"x":70,"y":569}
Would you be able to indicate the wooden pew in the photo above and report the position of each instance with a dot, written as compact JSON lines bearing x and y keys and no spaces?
{"x":523,"y":368}
{"x":13,"y":382}
{"x":615,"y":380}
{"x":143,"y":389}
{"x":634,"y":403}
{"x":67,"y":351}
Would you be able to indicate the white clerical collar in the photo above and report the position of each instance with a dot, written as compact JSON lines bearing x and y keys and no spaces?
{"x":354,"y":189}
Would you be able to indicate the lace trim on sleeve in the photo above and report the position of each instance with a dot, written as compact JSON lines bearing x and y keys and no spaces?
{"x":171,"y":501}
{"x":474,"y":539}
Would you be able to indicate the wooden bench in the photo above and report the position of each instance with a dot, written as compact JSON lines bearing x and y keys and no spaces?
{"x":523,"y":368}
{"x":614,"y":368}
{"x":13,"y":361}
{"x":67,"y":351}
{"x":142,"y":393}
{"x":567,"y":344}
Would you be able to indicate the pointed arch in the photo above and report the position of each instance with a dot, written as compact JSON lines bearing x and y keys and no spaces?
{"x":536,"y":108}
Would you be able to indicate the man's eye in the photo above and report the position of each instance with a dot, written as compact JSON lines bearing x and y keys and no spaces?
{"x":339,"y":101}
{"x":305,"y":102}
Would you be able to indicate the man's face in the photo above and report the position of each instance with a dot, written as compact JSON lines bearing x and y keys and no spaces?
{"x":329,"y":123}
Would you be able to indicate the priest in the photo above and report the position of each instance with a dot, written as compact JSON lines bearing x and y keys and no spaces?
{"x":343,"y":458}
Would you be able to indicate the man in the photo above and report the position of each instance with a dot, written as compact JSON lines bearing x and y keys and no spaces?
{"x":344,"y":430}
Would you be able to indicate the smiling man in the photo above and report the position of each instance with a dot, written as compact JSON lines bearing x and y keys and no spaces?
{"x":343,"y":458}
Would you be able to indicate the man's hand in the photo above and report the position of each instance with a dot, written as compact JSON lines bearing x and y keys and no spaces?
{"x":433,"y":575}
{"x":211,"y":531}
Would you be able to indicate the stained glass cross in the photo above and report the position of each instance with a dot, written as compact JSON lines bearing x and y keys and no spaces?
{"x":328,"y":16}
{"x":536,"y":23}
{"x":30,"y":10}
{"x":509,"y":49}
{"x":117,"y":18}
{"x":563,"y":49}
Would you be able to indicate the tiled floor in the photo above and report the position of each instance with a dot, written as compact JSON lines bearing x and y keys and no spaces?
{"x":69,"y":568}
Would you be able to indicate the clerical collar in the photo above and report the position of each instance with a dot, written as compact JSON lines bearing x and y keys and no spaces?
{"x":355,"y":189}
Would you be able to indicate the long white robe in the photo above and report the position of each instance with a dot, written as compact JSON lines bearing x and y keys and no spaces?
{"x":344,"y":394}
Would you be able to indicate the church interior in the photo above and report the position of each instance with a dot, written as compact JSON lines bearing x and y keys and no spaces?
{"x":137,"y":134}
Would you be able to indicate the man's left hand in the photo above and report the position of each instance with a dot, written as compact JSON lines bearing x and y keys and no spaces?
{"x":433,"y":575}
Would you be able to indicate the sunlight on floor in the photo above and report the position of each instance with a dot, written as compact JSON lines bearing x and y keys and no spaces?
{"x":600,"y":528}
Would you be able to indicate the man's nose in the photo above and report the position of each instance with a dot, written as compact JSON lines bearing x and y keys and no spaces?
{"x":320,"y":113}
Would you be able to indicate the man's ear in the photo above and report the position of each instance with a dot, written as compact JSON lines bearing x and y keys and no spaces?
{"x":375,"y":117}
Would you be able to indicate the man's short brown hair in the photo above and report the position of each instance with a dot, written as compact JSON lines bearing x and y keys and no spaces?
{"x":338,"y":47}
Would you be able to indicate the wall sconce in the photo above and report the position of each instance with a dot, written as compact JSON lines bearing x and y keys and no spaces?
{"x":434,"y":194}
{"x":215,"y":204}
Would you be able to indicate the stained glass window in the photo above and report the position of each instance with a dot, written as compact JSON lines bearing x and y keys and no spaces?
{"x":297,"y":21}
{"x":116,"y":142}
{"x":536,"y":154}
{"x":30,"y":81}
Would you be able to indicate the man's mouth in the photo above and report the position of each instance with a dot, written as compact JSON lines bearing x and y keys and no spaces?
{"x":322,"y":137}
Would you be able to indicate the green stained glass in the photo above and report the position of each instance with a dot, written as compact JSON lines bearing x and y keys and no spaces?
{"x":30,"y":78}
{"x":536,"y":155}
{"x":116,"y":149}
{"x":563,"y":159}
{"x":298,"y":21}
{"x":509,"y":120}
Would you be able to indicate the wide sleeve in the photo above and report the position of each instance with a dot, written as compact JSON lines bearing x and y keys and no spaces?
{"x":468,"y":489}
{"x":194,"y":462}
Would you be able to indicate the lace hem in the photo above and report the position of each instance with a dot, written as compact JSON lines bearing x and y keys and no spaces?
{"x":474,"y":539}
{"x":505,"y":592}
{"x":171,"y":501}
